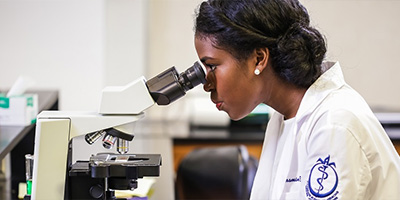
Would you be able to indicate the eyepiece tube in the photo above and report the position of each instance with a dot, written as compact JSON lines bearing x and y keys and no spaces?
{"x":169,"y":86}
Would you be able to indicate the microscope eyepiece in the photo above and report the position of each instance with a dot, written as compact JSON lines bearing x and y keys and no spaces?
{"x":169,"y":86}
{"x":192,"y":77}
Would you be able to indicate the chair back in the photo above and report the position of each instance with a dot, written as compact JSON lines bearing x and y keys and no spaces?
{"x":216,"y":173}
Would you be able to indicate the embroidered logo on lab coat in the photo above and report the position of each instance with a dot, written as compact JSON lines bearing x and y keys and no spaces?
{"x":323,"y":179}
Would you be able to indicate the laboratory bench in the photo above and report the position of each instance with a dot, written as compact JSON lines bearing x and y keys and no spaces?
{"x":200,"y":137}
{"x":253,"y":138}
{"x":15,"y":142}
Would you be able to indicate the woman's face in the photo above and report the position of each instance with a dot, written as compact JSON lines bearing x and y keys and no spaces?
{"x":234,"y":87}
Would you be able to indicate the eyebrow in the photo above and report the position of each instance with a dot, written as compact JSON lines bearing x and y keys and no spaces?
{"x":205,"y":58}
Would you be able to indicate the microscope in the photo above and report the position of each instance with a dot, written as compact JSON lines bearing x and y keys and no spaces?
{"x":54,"y":174}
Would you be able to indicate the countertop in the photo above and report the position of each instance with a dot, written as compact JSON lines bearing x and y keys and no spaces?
{"x":10,"y":136}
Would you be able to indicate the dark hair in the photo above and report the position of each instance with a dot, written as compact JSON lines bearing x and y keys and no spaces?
{"x":283,"y":26}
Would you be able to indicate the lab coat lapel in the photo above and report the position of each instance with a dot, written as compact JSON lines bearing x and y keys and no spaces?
{"x":262,"y":182}
{"x":285,"y":163}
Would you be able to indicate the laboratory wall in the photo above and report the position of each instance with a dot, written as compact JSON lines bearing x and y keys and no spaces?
{"x":74,"y":46}
{"x":171,"y":43}
{"x":363,"y":35}
{"x":81,"y":46}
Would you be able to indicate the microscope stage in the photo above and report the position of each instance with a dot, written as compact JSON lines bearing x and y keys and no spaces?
{"x":108,"y":165}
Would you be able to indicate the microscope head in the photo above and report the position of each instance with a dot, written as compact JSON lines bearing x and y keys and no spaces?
{"x":140,"y":94}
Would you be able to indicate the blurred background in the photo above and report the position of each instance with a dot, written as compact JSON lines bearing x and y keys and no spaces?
{"x":80,"y":46}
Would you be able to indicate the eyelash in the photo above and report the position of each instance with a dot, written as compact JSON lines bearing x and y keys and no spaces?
{"x":212,"y":67}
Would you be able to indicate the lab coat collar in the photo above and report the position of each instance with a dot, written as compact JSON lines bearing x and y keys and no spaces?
{"x":332,"y":79}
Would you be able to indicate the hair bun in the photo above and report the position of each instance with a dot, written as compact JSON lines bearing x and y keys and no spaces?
{"x":300,"y":52}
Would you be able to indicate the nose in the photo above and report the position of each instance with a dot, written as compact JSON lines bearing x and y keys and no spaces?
{"x":210,"y":82}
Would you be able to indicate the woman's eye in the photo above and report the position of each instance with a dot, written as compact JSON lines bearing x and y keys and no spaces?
{"x":212,"y":67}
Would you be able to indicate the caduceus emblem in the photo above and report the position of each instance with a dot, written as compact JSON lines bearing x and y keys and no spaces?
{"x":323,"y":178}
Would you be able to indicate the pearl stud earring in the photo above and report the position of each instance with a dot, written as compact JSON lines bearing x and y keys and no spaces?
{"x":257,"y":72}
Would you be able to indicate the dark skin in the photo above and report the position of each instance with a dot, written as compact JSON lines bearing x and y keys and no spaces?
{"x":235,"y":88}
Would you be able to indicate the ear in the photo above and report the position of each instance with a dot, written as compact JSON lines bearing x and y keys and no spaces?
{"x":262,"y":55}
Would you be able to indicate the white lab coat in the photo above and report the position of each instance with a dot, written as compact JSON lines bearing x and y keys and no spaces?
{"x":337,"y":149}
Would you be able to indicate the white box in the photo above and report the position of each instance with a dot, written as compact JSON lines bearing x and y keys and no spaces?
{"x":18,"y":110}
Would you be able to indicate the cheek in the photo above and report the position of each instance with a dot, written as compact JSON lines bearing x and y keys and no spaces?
{"x":237,"y":94}
{"x":229,"y":85}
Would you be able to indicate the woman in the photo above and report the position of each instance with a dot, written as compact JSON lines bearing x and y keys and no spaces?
{"x":323,"y":142}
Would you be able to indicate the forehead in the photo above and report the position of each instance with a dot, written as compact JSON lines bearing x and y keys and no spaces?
{"x":206,"y":49}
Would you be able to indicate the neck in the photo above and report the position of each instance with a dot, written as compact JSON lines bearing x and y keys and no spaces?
{"x":288,"y":101}
{"x":285,"y":98}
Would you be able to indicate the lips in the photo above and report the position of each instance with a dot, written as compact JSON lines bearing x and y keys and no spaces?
{"x":219,"y":105}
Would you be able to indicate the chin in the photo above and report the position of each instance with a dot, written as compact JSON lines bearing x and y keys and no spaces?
{"x":236,"y":117}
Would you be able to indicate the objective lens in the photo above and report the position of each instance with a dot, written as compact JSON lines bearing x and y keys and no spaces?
{"x":122,"y":146}
{"x":109,"y":141}
{"x":93,"y":137}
